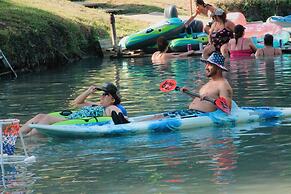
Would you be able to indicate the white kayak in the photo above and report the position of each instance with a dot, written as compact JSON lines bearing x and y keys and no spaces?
{"x":172,"y":121}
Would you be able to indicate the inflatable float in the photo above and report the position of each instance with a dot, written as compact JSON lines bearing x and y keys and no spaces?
{"x":279,"y":40}
{"x":85,"y":120}
{"x":180,"y":38}
{"x":196,"y":40}
{"x":280,"y":20}
{"x":257,"y":30}
{"x":171,"y":121}
{"x":168,"y":28}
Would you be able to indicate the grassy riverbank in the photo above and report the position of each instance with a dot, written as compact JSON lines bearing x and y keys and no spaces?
{"x":39,"y":34}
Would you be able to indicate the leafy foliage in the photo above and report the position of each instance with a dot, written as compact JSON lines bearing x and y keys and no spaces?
{"x":255,"y":10}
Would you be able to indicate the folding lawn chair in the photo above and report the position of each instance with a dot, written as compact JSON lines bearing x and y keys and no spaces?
{"x":9,"y":131}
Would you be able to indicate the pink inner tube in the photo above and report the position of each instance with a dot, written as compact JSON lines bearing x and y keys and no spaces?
{"x":258,"y":29}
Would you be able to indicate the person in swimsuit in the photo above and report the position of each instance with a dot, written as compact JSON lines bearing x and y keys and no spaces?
{"x":269,"y":50}
{"x":220,"y":33}
{"x":240,"y":46}
{"x":109,"y":103}
{"x":203,"y":9}
{"x":163,"y":55}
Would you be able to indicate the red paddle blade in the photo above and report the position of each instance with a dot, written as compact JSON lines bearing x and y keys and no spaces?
{"x":222,"y":105}
{"x":168,"y":85}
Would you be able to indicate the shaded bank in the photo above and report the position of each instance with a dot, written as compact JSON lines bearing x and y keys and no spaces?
{"x":39,"y":34}
{"x":33,"y":38}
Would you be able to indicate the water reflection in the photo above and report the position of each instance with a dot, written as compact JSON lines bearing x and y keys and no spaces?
{"x":211,"y":160}
{"x":17,"y":179}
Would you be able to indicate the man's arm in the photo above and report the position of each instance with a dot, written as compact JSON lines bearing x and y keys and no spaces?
{"x":226,"y":92}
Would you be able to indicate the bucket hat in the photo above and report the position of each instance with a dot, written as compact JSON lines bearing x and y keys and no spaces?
{"x":216,"y":59}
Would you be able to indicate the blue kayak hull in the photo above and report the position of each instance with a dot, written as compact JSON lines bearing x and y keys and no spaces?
{"x":280,"y":20}
{"x":145,"y":124}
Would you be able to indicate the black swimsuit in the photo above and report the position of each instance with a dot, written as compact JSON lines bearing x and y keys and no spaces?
{"x":221,"y":37}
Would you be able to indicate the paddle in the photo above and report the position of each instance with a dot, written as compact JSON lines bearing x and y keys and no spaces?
{"x":171,"y":84}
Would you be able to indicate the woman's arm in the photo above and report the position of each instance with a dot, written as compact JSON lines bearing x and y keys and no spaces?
{"x":252,"y":46}
{"x":230,"y":25}
{"x":211,"y":31}
{"x":191,"y":19}
{"x":109,"y":109}
{"x":80,"y":100}
{"x":258,"y":53}
{"x":185,"y":54}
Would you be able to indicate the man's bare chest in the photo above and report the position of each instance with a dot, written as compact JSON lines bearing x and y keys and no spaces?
{"x":210,"y":89}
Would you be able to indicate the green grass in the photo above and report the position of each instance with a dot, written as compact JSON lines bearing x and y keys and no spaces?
{"x":37,"y":33}
{"x":42,"y":33}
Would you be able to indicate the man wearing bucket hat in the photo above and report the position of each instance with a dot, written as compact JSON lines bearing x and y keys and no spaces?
{"x":216,"y":87}
{"x":109,"y":103}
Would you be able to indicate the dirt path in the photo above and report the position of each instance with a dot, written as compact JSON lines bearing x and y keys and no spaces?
{"x":156,"y":17}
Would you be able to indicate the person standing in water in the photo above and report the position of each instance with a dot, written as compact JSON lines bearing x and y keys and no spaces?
{"x":240,"y":46}
{"x":204,"y":9}
{"x":220,"y":33}
{"x":163,"y":55}
{"x":268,"y":50}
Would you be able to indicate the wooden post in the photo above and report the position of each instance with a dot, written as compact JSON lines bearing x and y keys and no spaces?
{"x":191,"y":9}
{"x":113,"y":29}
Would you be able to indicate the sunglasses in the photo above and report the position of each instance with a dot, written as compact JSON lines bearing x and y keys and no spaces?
{"x":105,"y":94}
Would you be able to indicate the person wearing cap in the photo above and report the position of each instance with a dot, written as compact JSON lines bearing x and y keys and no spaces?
{"x":240,"y":46}
{"x":162,"y":56}
{"x":268,"y":50}
{"x":109,"y":103}
{"x":203,"y":9}
{"x":216,"y":87}
{"x":220,"y":33}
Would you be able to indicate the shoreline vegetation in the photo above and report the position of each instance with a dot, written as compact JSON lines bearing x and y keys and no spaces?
{"x":37,"y":34}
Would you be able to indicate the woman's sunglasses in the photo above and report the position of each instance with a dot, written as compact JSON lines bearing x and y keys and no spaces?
{"x":105,"y":94}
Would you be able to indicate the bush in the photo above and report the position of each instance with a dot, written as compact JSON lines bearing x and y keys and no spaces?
{"x":255,"y":10}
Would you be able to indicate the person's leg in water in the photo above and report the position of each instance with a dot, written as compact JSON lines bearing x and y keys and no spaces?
{"x":39,"y":119}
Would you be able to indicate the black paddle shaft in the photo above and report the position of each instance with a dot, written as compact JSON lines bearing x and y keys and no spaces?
{"x":193,"y":95}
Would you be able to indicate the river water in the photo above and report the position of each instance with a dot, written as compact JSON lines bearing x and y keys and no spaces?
{"x":253,"y":158}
